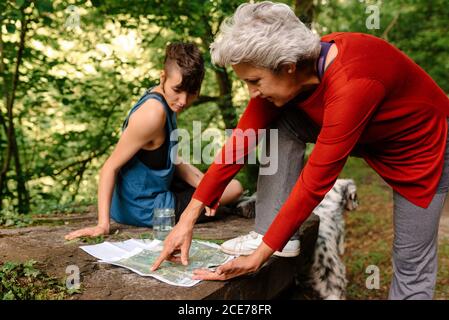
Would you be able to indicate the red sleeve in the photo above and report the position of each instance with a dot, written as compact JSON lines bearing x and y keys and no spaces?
{"x":258,"y":115}
{"x":346,"y":113}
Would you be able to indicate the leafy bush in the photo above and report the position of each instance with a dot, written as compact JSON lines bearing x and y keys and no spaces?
{"x":24,"y":281}
{"x":13,"y":219}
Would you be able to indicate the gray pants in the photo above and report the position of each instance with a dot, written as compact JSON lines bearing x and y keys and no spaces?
{"x":415,"y":244}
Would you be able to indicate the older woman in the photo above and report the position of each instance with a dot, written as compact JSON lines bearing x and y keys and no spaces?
{"x":351,"y":93}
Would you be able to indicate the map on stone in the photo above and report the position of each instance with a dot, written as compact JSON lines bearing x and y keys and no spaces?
{"x":139,"y":255}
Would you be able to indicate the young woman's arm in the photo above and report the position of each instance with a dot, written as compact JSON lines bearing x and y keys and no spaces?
{"x":144,"y":124}
{"x":192,"y":175}
{"x":188,"y":173}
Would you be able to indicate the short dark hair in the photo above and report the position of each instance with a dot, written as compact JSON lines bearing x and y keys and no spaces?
{"x":190,"y":61}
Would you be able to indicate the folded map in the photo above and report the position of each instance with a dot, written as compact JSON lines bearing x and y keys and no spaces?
{"x":139,"y":255}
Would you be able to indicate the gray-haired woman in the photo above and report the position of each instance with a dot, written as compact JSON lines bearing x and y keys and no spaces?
{"x":350,"y":93}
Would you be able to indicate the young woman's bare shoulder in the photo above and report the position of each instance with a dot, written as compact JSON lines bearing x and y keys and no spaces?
{"x":149,"y":116}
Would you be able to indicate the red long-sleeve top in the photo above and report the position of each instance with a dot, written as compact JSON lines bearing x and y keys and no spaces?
{"x":372,"y":97}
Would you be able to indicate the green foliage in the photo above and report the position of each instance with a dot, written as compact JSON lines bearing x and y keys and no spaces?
{"x":216,"y":241}
{"x":9,"y":218}
{"x":75,"y":86}
{"x":47,"y":208}
{"x":87,"y":240}
{"x":146,"y":236}
{"x":92,"y":240}
{"x":24,"y":281}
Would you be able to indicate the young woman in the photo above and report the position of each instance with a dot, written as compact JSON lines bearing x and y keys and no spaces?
{"x":350,"y":93}
{"x":140,"y":174}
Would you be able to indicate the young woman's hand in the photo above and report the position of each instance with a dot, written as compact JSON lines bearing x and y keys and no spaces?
{"x":88,"y":232}
{"x":210,"y":212}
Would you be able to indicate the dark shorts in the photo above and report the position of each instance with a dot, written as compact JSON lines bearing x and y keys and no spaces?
{"x":183,"y":193}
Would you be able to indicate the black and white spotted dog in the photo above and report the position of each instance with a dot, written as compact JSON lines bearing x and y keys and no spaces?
{"x":328,"y":273}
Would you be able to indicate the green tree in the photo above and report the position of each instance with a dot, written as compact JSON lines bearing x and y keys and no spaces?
{"x":13,"y":53}
{"x":196,"y":21}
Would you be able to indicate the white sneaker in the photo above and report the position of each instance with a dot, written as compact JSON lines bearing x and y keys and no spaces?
{"x":247,"y":244}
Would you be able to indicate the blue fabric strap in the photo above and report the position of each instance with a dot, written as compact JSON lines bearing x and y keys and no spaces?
{"x":325,"y":46}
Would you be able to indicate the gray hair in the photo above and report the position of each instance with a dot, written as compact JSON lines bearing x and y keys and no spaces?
{"x":265,"y":34}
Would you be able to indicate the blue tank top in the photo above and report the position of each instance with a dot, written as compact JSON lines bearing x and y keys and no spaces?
{"x":325,"y":46}
{"x":138,"y":188}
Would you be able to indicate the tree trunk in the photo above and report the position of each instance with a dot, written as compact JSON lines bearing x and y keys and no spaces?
{"x":225,"y":102}
{"x":7,"y":155}
{"x":22,"y":191}
{"x":12,"y":148}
